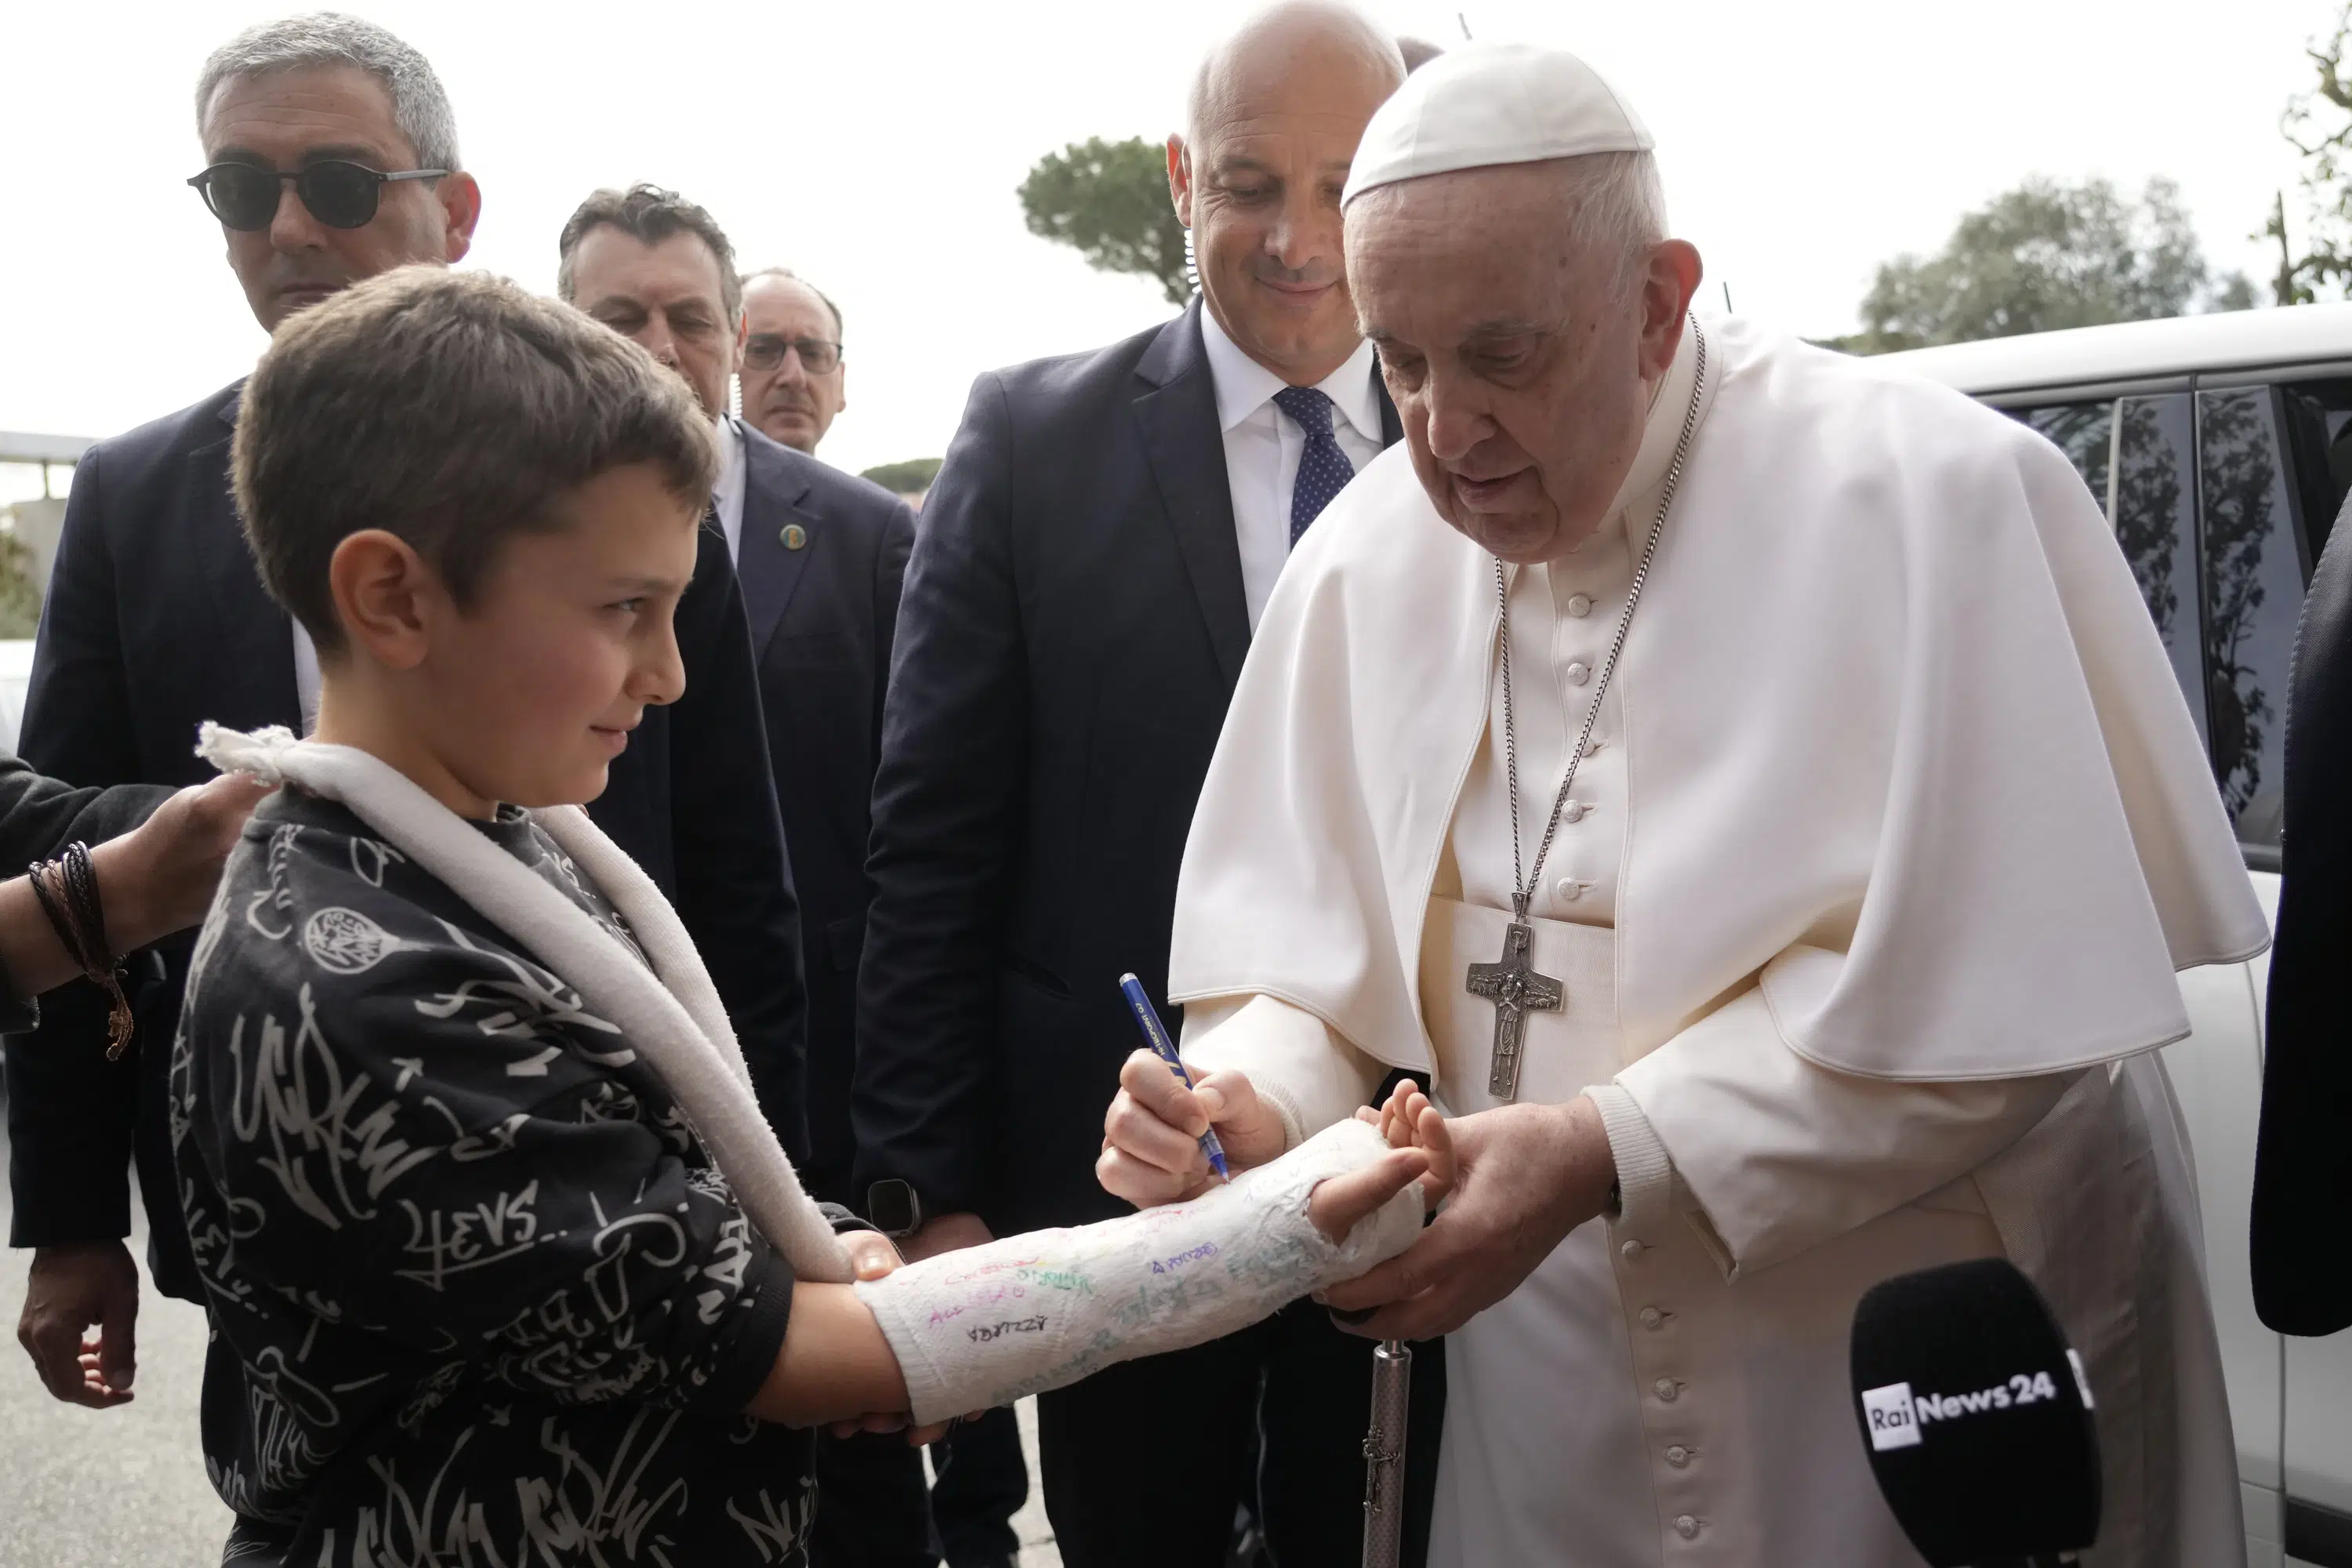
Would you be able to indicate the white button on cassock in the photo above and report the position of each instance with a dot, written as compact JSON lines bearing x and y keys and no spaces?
{"x":1569,"y":889}
{"x":1572,"y":812}
{"x":1652,"y":1318}
{"x":1678,"y":1455}
{"x":1630,"y":1248}
{"x":1578,"y":606}
{"x":1666,"y":1389}
{"x":1578,"y":673}
{"x":1686,"y":1526}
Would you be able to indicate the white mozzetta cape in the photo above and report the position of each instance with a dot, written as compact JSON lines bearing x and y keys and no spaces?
{"x":1902,"y":749}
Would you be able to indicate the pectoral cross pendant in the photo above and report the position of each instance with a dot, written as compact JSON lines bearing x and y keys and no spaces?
{"x":1516,"y":990}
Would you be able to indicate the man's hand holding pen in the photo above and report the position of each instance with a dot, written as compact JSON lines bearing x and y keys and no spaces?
{"x":1151,"y":1134}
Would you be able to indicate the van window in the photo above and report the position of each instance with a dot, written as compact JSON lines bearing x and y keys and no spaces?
{"x":2254,"y":572}
{"x":2155,"y":518}
{"x":2083,"y":431}
{"x":2150,"y":502}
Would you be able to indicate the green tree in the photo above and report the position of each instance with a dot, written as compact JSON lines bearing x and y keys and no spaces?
{"x":20,"y":596}
{"x":1109,"y":199}
{"x":2319,"y":125}
{"x":910,"y":478}
{"x":2045,"y":256}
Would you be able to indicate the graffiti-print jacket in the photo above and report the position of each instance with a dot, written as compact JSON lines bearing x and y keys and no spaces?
{"x":478,"y":1298}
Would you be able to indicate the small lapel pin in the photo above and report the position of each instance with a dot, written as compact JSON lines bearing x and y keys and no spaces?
{"x":795,"y":536}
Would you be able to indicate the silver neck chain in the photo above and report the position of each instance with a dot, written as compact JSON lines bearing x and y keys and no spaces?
{"x":1523,"y":888}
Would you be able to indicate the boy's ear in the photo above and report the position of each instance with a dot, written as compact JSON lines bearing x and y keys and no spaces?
{"x":384,"y":594}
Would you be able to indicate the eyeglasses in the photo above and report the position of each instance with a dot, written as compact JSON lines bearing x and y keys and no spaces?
{"x":340,"y":194}
{"x":765,"y":352}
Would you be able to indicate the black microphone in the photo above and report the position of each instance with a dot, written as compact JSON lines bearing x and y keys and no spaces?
{"x":1976,"y":1417}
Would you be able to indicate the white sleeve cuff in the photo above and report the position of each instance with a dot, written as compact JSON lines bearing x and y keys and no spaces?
{"x":1645,"y":1173}
{"x":1311,"y":1076}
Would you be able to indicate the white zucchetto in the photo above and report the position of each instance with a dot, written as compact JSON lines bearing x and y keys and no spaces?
{"x":1493,"y":104}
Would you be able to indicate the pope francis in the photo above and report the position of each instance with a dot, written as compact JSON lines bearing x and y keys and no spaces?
{"x":1747,"y":784}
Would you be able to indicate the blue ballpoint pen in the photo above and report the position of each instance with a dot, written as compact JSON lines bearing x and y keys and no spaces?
{"x":1154,"y":1031}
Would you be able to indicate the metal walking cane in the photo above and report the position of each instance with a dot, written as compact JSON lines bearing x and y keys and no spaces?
{"x":1384,"y":1454}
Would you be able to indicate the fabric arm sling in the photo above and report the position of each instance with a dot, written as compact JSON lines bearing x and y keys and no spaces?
{"x":969,"y":1329}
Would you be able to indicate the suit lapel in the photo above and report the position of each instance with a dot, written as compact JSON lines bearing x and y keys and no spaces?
{"x":773,"y":492}
{"x":1391,"y":427}
{"x":1186,"y":445}
{"x":255,"y":637}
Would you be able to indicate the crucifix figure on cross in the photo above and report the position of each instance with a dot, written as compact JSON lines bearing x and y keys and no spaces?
{"x":1514,"y":988}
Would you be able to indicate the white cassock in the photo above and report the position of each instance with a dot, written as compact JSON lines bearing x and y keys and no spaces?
{"x":1867,"y":909}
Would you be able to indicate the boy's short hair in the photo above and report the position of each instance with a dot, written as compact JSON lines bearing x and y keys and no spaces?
{"x":452,"y":410}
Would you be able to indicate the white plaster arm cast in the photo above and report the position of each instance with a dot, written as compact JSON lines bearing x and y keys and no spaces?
{"x":988,"y":1325}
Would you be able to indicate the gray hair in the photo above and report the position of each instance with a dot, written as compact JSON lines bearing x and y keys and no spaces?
{"x":789,"y":275}
{"x":419,"y":107}
{"x":1618,"y":199}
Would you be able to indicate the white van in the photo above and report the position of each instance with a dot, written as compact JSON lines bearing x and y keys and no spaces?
{"x":2222,"y":447}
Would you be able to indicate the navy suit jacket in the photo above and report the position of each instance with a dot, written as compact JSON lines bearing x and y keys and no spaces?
{"x":2302,"y":1160}
{"x":155,"y":620}
{"x":823,"y":605}
{"x":1071,"y":630}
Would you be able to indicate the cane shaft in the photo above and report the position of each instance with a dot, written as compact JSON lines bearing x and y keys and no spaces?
{"x":1384,"y":1455}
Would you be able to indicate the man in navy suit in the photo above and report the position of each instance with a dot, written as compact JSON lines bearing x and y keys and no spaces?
{"x":820,"y":555}
{"x":333,"y":157}
{"x":1092,"y":559}
{"x":2303,"y":1161}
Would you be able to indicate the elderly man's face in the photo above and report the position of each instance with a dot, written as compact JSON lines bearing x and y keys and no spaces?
{"x":669,"y":297}
{"x":1521,"y":367}
{"x":1259,"y":186}
{"x":288,"y":118}
{"x":787,"y":403}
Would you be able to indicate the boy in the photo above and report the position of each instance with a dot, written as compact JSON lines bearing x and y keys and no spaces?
{"x":480,"y":1295}
{"x":474,"y":1291}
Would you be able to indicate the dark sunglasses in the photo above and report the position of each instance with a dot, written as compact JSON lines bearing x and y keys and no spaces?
{"x":340,"y":194}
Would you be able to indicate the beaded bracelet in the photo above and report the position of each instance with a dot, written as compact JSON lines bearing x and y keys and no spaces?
{"x":66,"y":889}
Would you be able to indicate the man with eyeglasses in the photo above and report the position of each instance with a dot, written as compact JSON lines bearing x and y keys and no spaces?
{"x":794,"y":382}
{"x":331,"y":156}
{"x":819,"y":554}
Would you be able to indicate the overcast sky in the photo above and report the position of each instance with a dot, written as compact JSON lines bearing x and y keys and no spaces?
{"x":876,"y":147}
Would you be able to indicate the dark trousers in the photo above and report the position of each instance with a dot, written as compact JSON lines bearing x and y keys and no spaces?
{"x":982,"y":1482}
{"x":869,"y":1504}
{"x":1145,"y":1463}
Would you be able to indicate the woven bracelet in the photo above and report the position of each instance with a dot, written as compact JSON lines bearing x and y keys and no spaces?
{"x":75,"y":912}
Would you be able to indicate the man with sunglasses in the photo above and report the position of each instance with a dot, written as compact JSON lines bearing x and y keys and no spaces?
{"x":330,"y":157}
{"x":794,"y":379}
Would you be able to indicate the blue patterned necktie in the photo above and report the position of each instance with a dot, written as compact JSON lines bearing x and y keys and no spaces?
{"x":1323,"y":468}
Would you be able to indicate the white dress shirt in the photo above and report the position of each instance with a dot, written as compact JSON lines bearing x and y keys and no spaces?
{"x":1263,"y":447}
{"x":306,"y":678}
{"x":728,"y":493}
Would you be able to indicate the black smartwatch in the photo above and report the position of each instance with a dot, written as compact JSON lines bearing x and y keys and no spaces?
{"x":892,"y":1208}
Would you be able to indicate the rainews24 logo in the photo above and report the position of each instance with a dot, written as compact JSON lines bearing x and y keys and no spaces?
{"x":1898,"y":1419}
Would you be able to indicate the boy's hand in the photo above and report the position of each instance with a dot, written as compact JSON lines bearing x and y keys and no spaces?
{"x":1407,"y":1120}
{"x":1338,"y":1202}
